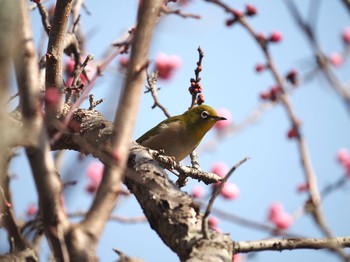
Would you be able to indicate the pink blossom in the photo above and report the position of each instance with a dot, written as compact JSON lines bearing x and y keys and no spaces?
{"x":219,"y":168}
{"x":123,"y":62}
{"x":276,"y":37}
{"x":220,"y":125}
{"x":94,"y":173}
{"x":32,"y":209}
{"x":265,"y":95}
{"x":213,"y":222}
{"x":279,"y":217}
{"x":283,"y":220}
{"x":237,"y":258}
{"x":197,"y":191}
{"x":336,"y":59}
{"x":230,"y":191}
{"x":89,"y":69}
{"x":52,"y":97}
{"x":343,"y":155}
{"x":274,"y":210}
{"x":166,"y":65}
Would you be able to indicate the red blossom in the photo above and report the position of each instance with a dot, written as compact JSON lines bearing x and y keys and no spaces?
{"x":275,"y":37}
{"x":265,"y":95}
{"x":292,"y":76}
{"x":292,"y":133}
{"x":259,"y":67}
{"x":32,"y":210}
{"x":346,"y":35}
{"x":250,"y":10}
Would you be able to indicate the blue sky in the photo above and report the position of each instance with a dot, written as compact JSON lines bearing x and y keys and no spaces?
{"x":229,"y":81}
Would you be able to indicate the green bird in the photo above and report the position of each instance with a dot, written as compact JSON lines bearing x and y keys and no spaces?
{"x":179,"y":135}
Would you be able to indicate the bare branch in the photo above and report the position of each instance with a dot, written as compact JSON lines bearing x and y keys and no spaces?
{"x":214,"y":196}
{"x":38,"y":152}
{"x":107,"y":192}
{"x":56,"y":46}
{"x":291,"y":244}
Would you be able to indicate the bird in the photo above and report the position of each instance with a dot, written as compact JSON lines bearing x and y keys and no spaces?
{"x":179,"y":135}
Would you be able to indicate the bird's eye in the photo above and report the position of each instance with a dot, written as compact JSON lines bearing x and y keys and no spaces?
{"x":204,"y":114}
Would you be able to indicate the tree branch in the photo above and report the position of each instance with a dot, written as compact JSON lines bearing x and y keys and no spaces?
{"x":291,"y":244}
{"x":38,"y":152}
{"x":56,"y":45}
{"x":109,"y":188}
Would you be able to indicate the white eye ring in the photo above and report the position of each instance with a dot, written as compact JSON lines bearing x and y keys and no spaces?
{"x":204,"y":114}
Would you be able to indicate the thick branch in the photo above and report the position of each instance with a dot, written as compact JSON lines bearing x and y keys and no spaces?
{"x":109,"y":188}
{"x":291,"y":244}
{"x":46,"y":179}
{"x":171,"y":212}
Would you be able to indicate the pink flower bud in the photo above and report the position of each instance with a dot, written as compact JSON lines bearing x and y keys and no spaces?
{"x":292,"y":77}
{"x":230,"y":191}
{"x":237,"y":13}
{"x":343,"y":156}
{"x":274,"y":210}
{"x":346,"y":35}
{"x":250,"y":10}
{"x":94,"y":173}
{"x":336,"y":59}
{"x":220,"y":125}
{"x":283,"y":220}
{"x":278,"y":217}
{"x":197,"y":191}
{"x":219,"y":168}
{"x":265,"y":95}
{"x":213,"y":222}
{"x":166,"y":65}
{"x":32,"y":209}
{"x":276,"y":37}
{"x":123,"y":62}
{"x":259,"y":67}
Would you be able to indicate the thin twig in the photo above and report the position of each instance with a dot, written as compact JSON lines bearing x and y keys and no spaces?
{"x":178,"y":12}
{"x":214,"y":196}
{"x":152,"y":88}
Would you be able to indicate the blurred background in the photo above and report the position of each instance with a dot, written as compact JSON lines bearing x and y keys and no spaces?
{"x":230,"y":83}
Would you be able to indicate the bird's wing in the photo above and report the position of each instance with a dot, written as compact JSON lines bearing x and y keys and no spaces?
{"x":155,"y":130}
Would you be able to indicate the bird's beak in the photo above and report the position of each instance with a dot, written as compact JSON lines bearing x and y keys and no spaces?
{"x":218,"y":118}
